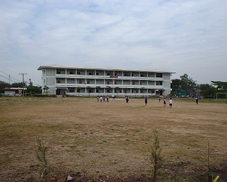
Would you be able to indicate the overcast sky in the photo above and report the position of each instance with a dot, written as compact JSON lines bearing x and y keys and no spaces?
{"x":185,"y":36}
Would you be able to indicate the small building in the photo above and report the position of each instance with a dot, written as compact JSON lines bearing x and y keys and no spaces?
{"x":13,"y":91}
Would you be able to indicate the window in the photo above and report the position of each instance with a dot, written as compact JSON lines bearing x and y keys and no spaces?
{"x":71,"y":90}
{"x":88,"y":82}
{"x":159,"y":75}
{"x":80,"y":82}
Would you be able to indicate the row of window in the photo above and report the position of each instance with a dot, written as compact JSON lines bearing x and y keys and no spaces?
{"x":108,"y":73}
{"x":72,"y":90}
{"x":107,"y":82}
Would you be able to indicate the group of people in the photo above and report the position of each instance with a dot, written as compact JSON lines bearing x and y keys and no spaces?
{"x":106,"y":99}
{"x":164,"y":102}
{"x":103,"y":99}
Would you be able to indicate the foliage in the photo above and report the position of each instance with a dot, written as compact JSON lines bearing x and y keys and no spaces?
{"x":41,"y":153}
{"x":220,"y":85}
{"x":33,"y":89}
{"x":78,"y":89}
{"x":155,"y":157}
{"x":45,"y":88}
{"x":3,"y":85}
{"x":206,"y":90}
{"x":184,"y":85}
{"x":19,"y":84}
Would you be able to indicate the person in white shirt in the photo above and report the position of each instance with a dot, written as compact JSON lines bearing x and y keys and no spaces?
{"x":170,"y":103}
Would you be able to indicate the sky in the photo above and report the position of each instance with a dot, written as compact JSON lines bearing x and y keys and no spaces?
{"x":182,"y":36}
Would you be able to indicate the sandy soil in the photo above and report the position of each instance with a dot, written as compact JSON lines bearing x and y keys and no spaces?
{"x":111,"y":140}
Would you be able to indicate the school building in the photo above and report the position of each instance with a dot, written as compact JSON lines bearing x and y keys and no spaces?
{"x":98,"y":81}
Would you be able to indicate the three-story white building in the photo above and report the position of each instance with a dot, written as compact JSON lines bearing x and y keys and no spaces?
{"x":95,"y":81}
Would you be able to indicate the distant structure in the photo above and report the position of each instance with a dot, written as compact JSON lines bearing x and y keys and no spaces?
{"x":95,"y":81}
{"x":14,"y":91}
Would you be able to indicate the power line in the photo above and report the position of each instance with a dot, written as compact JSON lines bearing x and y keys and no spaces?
{"x":4,"y":77}
{"x":10,"y":77}
{"x":4,"y":72}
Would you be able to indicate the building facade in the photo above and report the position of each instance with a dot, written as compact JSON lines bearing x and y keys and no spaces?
{"x":92,"y":81}
{"x":14,"y":91}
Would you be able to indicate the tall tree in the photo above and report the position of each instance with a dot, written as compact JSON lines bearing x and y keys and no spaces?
{"x":220,"y":85}
{"x":185,"y":85}
{"x":207,"y":90}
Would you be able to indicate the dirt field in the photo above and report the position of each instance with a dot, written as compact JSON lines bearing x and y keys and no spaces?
{"x":111,"y":141}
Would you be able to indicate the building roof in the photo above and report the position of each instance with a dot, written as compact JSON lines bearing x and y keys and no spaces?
{"x":13,"y":89}
{"x":102,"y":68}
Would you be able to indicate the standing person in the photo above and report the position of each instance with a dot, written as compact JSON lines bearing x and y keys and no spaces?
{"x":170,"y":103}
{"x":100,"y":99}
{"x":107,"y":99}
{"x":127,"y":99}
{"x":164,"y":102}
{"x":197,"y":100}
{"x":159,"y":99}
{"x":145,"y":100}
{"x":97,"y":99}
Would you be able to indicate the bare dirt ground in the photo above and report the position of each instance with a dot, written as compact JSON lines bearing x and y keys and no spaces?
{"x":111,"y":141}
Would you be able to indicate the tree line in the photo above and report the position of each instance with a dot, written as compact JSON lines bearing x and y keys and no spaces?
{"x":186,"y":86}
{"x":30,"y":87}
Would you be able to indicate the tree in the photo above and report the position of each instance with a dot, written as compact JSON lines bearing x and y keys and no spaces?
{"x":188,"y":84}
{"x":33,"y":89}
{"x":45,"y":89}
{"x":184,"y":85}
{"x":207,"y":90}
{"x":3,"y":85}
{"x":18,"y":84}
{"x":220,"y":85}
{"x":176,"y":86}
{"x":78,"y":89}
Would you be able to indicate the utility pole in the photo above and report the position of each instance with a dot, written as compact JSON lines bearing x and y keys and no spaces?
{"x":9,"y":79}
{"x":23,"y":81}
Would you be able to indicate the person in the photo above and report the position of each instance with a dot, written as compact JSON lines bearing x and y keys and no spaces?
{"x":97,"y":99}
{"x":164,"y":102}
{"x":127,"y":99}
{"x":159,"y":99}
{"x":170,"y":103}
{"x":197,"y":100}
{"x":145,"y":100}
{"x":107,"y":99}
{"x":100,"y":99}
